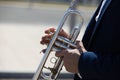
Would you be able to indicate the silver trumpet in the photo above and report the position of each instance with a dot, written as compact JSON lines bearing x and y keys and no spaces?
{"x":58,"y":43}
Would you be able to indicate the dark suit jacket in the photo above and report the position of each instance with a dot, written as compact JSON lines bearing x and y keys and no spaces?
{"x":102,"y":41}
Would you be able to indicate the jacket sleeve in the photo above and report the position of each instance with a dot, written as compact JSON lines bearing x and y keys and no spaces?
{"x":94,"y":66}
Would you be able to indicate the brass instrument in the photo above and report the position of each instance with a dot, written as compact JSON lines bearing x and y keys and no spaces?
{"x":58,"y":43}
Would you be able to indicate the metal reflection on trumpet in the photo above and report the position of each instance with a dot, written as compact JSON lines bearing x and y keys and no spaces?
{"x":59,"y":43}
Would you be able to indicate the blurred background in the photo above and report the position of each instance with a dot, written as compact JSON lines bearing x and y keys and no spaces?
{"x":22,"y":24}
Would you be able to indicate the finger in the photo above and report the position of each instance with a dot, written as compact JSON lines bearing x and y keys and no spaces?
{"x":78,"y":44}
{"x":61,"y":53}
{"x":45,"y":39}
{"x":47,"y":31}
{"x":43,"y":51}
{"x":44,"y":42}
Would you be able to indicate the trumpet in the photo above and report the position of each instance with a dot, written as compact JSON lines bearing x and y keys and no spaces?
{"x":58,"y":43}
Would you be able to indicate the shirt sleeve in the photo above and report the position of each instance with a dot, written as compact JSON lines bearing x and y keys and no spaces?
{"x":93,"y":66}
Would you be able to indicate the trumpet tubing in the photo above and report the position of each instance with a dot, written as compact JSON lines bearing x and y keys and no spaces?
{"x":58,"y":43}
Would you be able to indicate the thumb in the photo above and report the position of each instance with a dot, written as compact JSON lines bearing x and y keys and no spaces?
{"x":61,"y":53}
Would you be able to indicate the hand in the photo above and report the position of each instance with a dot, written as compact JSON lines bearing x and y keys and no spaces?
{"x":46,"y":38}
{"x":71,"y":57}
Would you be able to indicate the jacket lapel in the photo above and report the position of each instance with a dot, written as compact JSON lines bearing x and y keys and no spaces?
{"x":99,"y":19}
